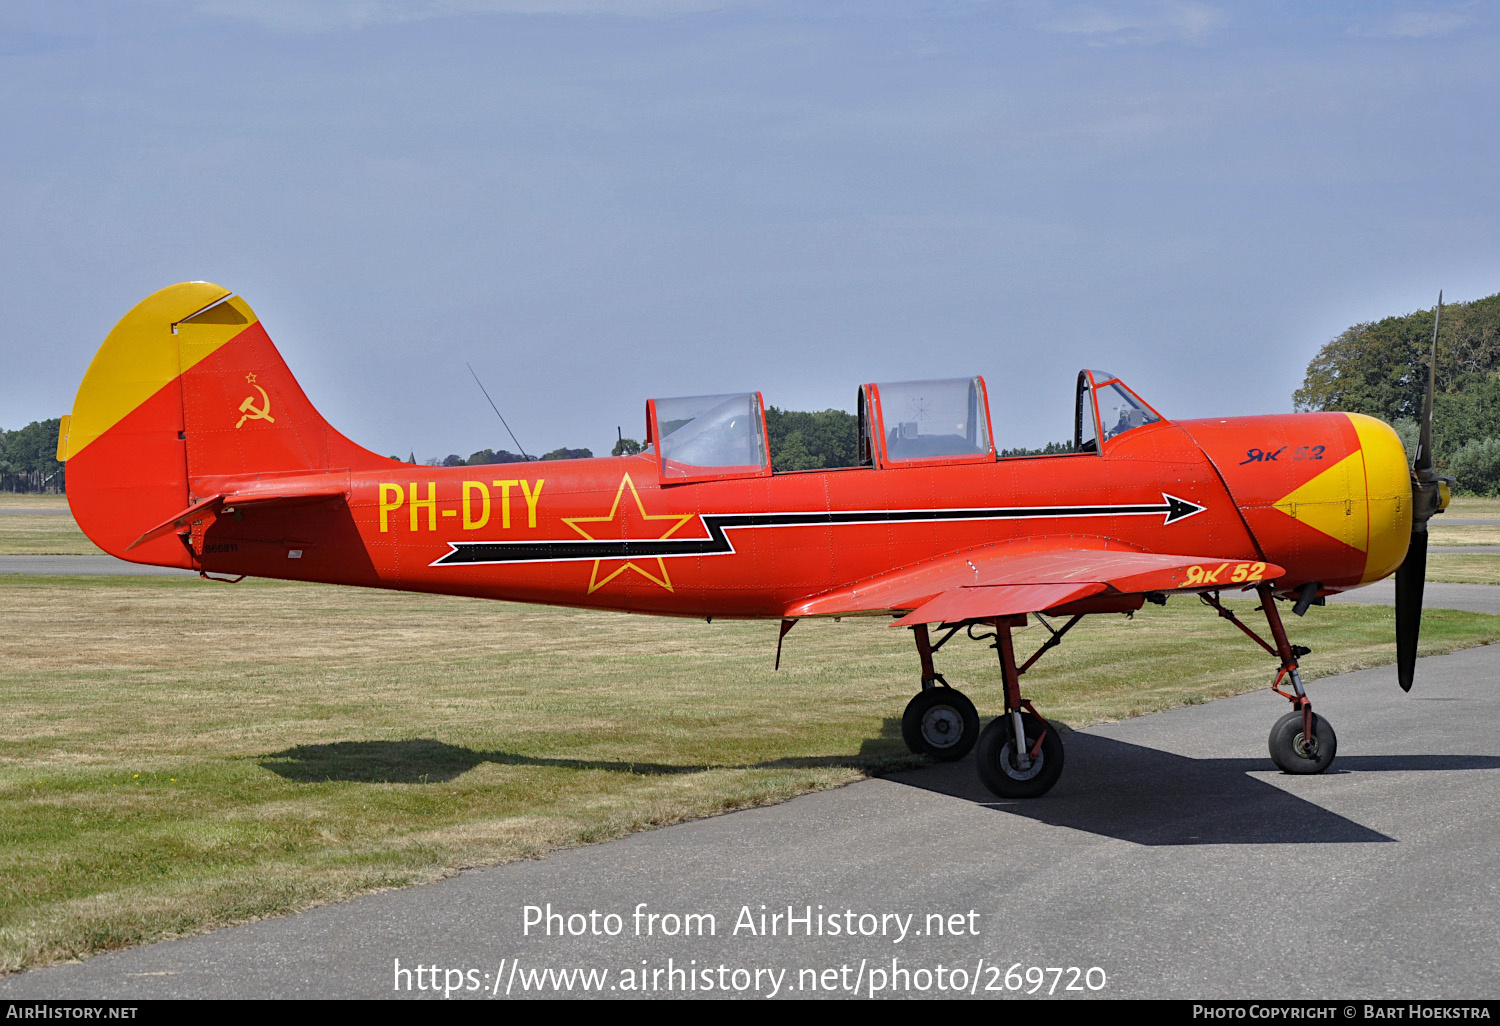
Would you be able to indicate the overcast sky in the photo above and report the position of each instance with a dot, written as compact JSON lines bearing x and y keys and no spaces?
{"x":598,"y":202}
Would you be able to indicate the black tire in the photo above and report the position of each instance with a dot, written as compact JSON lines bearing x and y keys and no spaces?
{"x":1291,"y":752}
{"x":942,"y":723}
{"x":995,"y":758}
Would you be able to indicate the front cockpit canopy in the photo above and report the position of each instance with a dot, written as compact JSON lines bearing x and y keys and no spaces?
{"x":709,"y":436}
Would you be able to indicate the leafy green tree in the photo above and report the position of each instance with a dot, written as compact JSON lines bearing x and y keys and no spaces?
{"x":569,"y":454}
{"x":1476,"y":464}
{"x":626,"y":447}
{"x":827,"y":438}
{"x":1380,"y":368}
{"x":794,"y":455}
{"x":28,"y":458}
{"x":1050,"y":449}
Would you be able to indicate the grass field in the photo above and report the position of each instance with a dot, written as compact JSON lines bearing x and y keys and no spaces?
{"x":32,"y":500}
{"x":179,"y":755}
{"x":1463,"y":567}
{"x":1474,"y":508}
{"x":24,"y":532}
{"x":1442,"y":533}
{"x":41,"y":535}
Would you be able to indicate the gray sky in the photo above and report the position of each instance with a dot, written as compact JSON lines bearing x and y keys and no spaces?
{"x":598,"y":202}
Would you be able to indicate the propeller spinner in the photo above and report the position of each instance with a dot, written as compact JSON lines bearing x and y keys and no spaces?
{"x":1429,"y":495}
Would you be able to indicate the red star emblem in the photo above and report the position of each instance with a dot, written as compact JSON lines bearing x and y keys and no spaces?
{"x":672,"y":522}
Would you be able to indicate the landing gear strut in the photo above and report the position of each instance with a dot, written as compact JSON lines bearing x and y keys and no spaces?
{"x":1301,"y":741}
{"x":1019,"y":755}
{"x":939,"y":721}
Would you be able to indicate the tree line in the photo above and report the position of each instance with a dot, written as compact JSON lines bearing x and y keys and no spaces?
{"x":485,"y":457}
{"x":1380,"y":368}
{"x":28,"y":458}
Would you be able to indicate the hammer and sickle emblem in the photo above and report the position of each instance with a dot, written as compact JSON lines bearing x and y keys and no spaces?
{"x":250,"y":410}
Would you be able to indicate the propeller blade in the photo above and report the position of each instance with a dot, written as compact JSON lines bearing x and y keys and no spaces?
{"x":1422,"y":465}
{"x":1426,"y":499}
{"x":1410,"y":577}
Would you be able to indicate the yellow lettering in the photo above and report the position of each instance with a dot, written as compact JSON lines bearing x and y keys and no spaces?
{"x":430,"y":503}
{"x":391,"y":498}
{"x":531,"y":497}
{"x":1257,"y":571}
{"x":472,"y":522}
{"x":1194,"y":574}
{"x":505,"y":487}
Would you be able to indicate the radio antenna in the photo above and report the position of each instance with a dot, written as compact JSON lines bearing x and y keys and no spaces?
{"x":496,"y":409}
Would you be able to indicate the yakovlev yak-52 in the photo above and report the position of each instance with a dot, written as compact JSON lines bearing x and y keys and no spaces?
{"x":191,"y":445}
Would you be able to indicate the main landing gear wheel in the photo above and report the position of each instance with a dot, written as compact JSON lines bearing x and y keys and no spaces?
{"x":1293,"y":752}
{"x":940,"y":722}
{"x":998,"y":760}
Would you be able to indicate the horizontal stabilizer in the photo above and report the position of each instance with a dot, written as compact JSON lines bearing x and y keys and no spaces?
{"x":285,"y":491}
{"x":194,"y":513}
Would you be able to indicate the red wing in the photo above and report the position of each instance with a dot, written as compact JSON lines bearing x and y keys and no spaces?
{"x":1002,"y":582}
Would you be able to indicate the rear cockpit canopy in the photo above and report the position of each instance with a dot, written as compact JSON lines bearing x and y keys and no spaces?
{"x":911,"y":423}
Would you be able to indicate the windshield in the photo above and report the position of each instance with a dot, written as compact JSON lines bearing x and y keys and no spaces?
{"x":1119,"y":411}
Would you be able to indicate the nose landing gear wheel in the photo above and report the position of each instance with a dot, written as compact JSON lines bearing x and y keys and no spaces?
{"x":940,"y":722}
{"x":1293,"y":752}
{"x":998,"y":761}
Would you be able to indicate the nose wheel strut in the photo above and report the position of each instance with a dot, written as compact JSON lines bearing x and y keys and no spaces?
{"x":1301,"y":741}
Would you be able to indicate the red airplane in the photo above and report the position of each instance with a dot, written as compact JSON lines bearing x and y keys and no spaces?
{"x":191,"y":445}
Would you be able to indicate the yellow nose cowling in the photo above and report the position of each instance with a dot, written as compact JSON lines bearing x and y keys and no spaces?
{"x":1388,"y":487}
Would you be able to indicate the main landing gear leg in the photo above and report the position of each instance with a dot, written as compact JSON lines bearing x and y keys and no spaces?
{"x":940,"y":721}
{"x":1301,"y":741}
{"x":1019,"y":755}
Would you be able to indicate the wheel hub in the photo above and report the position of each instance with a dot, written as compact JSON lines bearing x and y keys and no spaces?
{"x":942,"y":726}
{"x":1305,"y":746}
{"x":1014,"y":771}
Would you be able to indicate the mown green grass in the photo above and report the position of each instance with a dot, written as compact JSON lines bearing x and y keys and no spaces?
{"x":1474,"y":507}
{"x":1463,"y":567}
{"x":33,"y":500}
{"x":38,"y":534}
{"x":24,"y":532}
{"x":178,"y":755}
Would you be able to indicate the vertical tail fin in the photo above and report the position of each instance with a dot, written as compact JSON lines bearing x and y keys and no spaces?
{"x":185,"y":394}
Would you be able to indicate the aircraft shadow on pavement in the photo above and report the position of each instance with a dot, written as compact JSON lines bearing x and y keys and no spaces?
{"x":1151,"y":797}
{"x":429,"y":761}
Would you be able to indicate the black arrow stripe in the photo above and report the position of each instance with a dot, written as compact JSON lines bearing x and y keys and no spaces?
{"x":717,"y":543}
